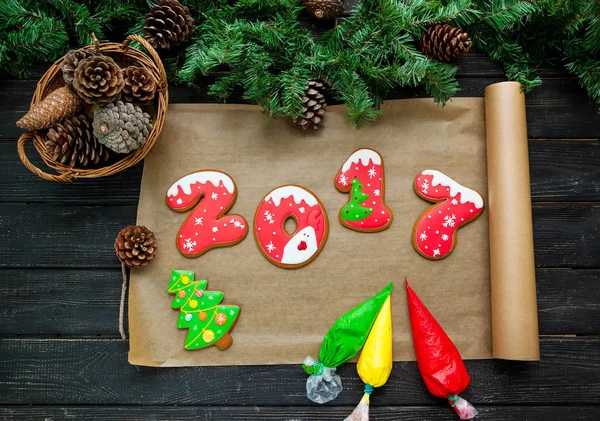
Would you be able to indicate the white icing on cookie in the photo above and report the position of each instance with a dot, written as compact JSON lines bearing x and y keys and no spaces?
{"x":297,"y":193}
{"x":202,"y":177}
{"x":466,"y":194}
{"x":364,"y":156}
{"x":301,"y":247}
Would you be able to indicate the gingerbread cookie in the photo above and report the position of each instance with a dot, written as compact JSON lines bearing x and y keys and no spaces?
{"x":208,"y":323}
{"x":290,"y":250}
{"x":362,"y":176}
{"x":434,"y":233}
{"x":212,"y":193}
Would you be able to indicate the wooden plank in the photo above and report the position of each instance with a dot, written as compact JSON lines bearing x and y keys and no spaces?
{"x":304,"y":413}
{"x":566,"y":235}
{"x":95,"y":371}
{"x":50,"y":302}
{"x":560,"y":171}
{"x":559,"y":109}
{"x":60,"y":302}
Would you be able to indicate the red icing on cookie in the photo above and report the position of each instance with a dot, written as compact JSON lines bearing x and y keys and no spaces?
{"x":362,"y":176}
{"x":207,"y":226}
{"x":301,"y":247}
{"x":434,"y":233}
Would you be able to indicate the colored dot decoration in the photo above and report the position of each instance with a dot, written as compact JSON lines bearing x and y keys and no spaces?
{"x":185,"y":280}
{"x":208,"y":336}
{"x":193,"y":303}
{"x":221,"y":319}
{"x":181,"y":294}
{"x":188,"y":317}
{"x":202,"y":316}
{"x":199,"y":293}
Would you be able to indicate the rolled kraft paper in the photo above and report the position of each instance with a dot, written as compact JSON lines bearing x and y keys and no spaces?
{"x":514,"y":304}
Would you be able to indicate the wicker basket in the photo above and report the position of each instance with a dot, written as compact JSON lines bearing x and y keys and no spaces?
{"x":53,"y":79}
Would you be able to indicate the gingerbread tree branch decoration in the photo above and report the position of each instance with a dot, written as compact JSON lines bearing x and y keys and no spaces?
{"x":207,"y":321}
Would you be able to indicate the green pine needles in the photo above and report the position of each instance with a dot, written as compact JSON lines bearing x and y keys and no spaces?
{"x":259,"y":48}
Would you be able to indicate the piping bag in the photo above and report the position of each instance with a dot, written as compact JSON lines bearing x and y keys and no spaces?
{"x":439,"y":362}
{"x":375,"y":362}
{"x":343,"y":341}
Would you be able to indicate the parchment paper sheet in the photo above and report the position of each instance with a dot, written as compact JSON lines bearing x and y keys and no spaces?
{"x":514,"y":304}
{"x":286,"y":313}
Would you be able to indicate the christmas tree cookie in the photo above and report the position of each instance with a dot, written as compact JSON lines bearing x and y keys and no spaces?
{"x":208,"y":323}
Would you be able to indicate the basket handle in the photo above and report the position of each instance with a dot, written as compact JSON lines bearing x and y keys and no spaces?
{"x":63,"y":178}
{"x":162,"y":83}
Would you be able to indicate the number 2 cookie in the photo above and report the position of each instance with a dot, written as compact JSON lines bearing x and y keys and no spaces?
{"x":290,"y":250}
{"x":212,"y":193}
{"x":434,"y":233}
{"x":362,"y":176}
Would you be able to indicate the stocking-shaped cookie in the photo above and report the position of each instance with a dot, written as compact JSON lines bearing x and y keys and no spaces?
{"x":434,"y":233}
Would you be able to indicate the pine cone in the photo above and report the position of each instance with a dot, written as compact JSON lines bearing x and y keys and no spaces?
{"x":98,"y":80}
{"x":135,"y":245}
{"x":122,"y":127}
{"x":168,"y":25}
{"x":324,"y":9}
{"x":57,"y":106}
{"x":71,"y":61}
{"x":444,"y":42}
{"x":72,"y":143}
{"x":140,"y":85}
{"x":314,"y":105}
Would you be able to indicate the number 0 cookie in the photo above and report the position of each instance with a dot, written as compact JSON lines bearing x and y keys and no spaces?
{"x":434,"y":233}
{"x":290,"y":250}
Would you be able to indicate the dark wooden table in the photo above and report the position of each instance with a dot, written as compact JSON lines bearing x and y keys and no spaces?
{"x":60,"y":352}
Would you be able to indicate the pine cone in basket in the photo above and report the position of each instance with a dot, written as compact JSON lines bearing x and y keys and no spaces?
{"x":98,"y":80}
{"x":314,"y":105}
{"x":72,"y":143}
{"x":168,"y":25}
{"x":135,"y":245}
{"x":70,"y":62}
{"x":122,"y":127}
{"x":140,"y":85}
{"x":57,"y":106}
{"x":444,"y":42}
{"x":324,"y":9}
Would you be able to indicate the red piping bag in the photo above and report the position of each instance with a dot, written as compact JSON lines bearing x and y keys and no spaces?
{"x":439,"y":362}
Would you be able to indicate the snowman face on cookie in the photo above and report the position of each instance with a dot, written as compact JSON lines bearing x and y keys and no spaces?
{"x":301,"y":247}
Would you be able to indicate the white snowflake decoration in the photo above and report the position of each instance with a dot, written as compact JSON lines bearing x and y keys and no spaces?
{"x":189,"y":245}
{"x":424,"y":186}
{"x":436,"y":252}
{"x":449,"y":221}
{"x":179,"y":201}
{"x":269,"y":217}
{"x":423,"y":236}
{"x":343,"y":180}
{"x":232,"y":221}
{"x":372,"y":172}
{"x":454,"y":202}
{"x":214,"y":196}
{"x":270,"y":247}
{"x":231,"y":312}
{"x":237,"y":224}
{"x":198,"y":221}
{"x":301,"y":209}
{"x":445,"y":237}
{"x":376,"y":192}
{"x":215,"y":229}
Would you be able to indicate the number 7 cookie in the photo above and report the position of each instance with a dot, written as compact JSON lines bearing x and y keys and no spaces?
{"x":434,"y":233}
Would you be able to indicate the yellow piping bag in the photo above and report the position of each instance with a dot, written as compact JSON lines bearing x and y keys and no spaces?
{"x":375,"y":362}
